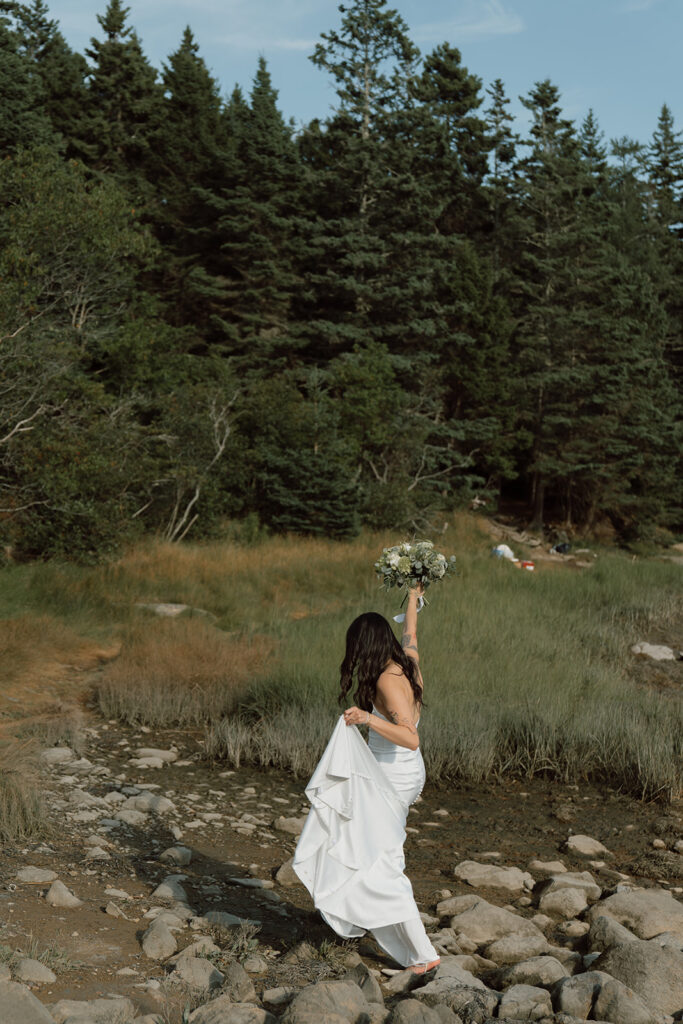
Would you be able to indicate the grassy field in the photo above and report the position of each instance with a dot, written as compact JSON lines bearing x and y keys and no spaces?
{"x":525,"y":673}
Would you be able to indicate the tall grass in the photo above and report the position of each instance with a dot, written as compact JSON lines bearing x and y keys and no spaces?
{"x":22,"y":812}
{"x":525,"y":673}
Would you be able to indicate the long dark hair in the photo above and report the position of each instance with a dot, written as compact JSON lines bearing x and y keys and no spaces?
{"x":370,"y":647}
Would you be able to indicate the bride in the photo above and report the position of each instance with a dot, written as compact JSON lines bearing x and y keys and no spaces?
{"x":350,"y":854}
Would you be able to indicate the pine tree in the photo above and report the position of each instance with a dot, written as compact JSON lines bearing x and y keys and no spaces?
{"x":23,"y":119}
{"x":123,"y":101}
{"x":188,"y":159}
{"x":60,"y":72}
{"x":250,"y":281}
{"x":501,"y":184}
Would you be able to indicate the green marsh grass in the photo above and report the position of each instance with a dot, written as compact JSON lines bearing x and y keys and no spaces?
{"x":526,"y":673}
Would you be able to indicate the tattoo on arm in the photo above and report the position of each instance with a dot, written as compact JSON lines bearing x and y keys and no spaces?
{"x":397,"y":719}
{"x":409,"y":642}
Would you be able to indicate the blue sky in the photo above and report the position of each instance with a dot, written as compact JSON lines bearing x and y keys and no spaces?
{"x":621,"y":57}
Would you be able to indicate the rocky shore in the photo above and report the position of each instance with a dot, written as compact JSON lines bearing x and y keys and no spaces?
{"x":136,"y":924}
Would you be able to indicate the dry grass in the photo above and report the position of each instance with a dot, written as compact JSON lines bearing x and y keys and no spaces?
{"x":31,"y":640}
{"x":22,"y":812}
{"x":179,"y":672}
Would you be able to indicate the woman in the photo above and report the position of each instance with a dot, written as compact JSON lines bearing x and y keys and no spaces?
{"x":350,"y":855}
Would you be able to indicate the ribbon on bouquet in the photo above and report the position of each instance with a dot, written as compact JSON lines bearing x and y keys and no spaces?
{"x":420,"y":606}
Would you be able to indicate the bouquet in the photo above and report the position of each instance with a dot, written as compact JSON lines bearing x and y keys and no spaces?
{"x":407,"y":565}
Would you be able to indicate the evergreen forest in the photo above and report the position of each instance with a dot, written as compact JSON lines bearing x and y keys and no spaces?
{"x":213,"y":319}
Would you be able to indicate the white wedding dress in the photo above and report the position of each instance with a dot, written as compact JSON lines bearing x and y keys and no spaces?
{"x":350,"y":853}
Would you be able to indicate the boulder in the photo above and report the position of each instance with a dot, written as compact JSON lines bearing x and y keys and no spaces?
{"x":19,"y":1006}
{"x":238,"y":985}
{"x":658,"y":652}
{"x":116,"y":1010}
{"x":199,"y":974}
{"x":158,"y":942}
{"x":483,"y":923}
{"x":410,"y":1011}
{"x":576,"y":995}
{"x":525,"y":1002}
{"x":35,"y":876}
{"x":470,"y":1002}
{"x":654,"y":972}
{"x":489,"y":876}
{"x":513,"y":948}
{"x":59,"y":896}
{"x":537,"y":970}
{"x":171,"y":889}
{"x":149,"y":802}
{"x":618,"y":1004}
{"x":457,"y":904}
{"x":545,"y":868}
{"x":32,"y":972}
{"x":581,"y":880}
{"x":586,"y":846}
{"x":647,"y":912}
{"x":605,"y":932}
{"x":57,"y":755}
{"x":222,"y":1011}
{"x":327,"y":1000}
{"x":367,"y":983}
{"x":179,"y":855}
{"x":404,"y":981}
{"x":565,"y":903}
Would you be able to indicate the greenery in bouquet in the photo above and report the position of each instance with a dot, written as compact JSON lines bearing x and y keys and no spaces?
{"x":407,"y":565}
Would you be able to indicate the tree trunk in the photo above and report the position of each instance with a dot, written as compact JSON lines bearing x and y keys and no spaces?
{"x":539,"y":501}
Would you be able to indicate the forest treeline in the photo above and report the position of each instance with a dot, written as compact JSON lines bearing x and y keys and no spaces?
{"x":209,"y":315}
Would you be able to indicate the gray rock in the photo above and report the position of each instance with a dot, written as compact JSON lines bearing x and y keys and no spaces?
{"x":238,"y":985}
{"x":222,"y":918}
{"x":149,"y":803}
{"x":199,"y":974}
{"x":255,"y":964}
{"x":328,"y":998}
{"x":538,"y":970}
{"x":513,"y":948}
{"x":293,"y":826}
{"x":470,"y":1002}
{"x":222,"y":1011}
{"x":129,"y":816}
{"x":586,"y":846}
{"x":32,"y":972}
{"x":367,"y":983}
{"x":171,"y":889}
{"x":576,"y":995}
{"x":654,"y":972}
{"x":180,"y":855}
{"x":545,"y":868}
{"x":606,"y":932}
{"x":647,"y":912}
{"x":35,"y":876}
{"x":19,"y":1006}
{"x":57,"y":755}
{"x":5,"y":973}
{"x":582,"y":880}
{"x":116,"y":1010}
{"x":457,"y":904}
{"x":404,"y":981}
{"x":161,"y":755}
{"x":483,"y":923}
{"x":489,"y":876}
{"x":278,"y":997}
{"x":618,"y":1004}
{"x":158,"y":943}
{"x":410,"y":1011}
{"x":525,"y":1002}
{"x":565,"y":903}
{"x":286,"y":874}
{"x":59,"y":896}
{"x":658,"y":652}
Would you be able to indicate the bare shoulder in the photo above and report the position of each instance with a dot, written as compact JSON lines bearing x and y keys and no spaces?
{"x":393,"y":683}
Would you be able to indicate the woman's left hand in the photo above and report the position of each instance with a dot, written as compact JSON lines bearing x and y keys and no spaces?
{"x":356,"y":716}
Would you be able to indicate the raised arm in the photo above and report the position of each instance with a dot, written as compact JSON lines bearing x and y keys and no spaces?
{"x":409,"y":638}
